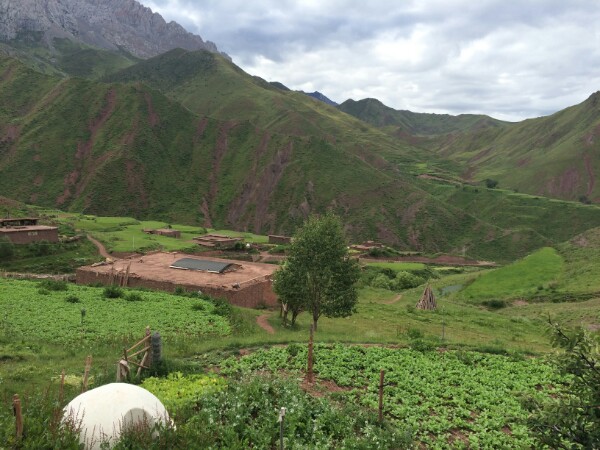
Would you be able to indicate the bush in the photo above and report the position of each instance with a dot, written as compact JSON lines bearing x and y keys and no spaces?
{"x":134,"y":297}
{"x":54,"y":285}
{"x":222,"y":307}
{"x":179,"y":290}
{"x":72,"y":299}
{"x":381,"y":281}
{"x":112,"y":292}
{"x":494,"y":304}
{"x":407,"y":280}
{"x":198,"y":307}
{"x":421,"y":345}
{"x":490,"y":183}
{"x":415,"y":333}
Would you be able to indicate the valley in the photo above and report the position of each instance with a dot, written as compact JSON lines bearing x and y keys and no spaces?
{"x":142,"y":145}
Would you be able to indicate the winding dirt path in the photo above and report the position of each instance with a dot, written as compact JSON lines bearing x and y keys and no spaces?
{"x":396,"y":299}
{"x":262,"y":322}
{"x":101,"y":248}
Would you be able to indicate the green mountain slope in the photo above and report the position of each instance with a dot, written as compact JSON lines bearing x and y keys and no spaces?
{"x":66,"y":57}
{"x":260,"y":159}
{"x":212,"y":86}
{"x":556,"y":156}
{"x":397,"y":122}
{"x":127,"y":149}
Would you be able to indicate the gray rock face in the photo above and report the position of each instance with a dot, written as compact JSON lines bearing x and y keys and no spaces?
{"x":109,"y":24}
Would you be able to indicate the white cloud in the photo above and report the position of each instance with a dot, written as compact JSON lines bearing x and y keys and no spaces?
{"x":511,"y":60}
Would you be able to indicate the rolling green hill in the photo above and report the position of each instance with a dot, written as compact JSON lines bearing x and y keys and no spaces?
{"x":556,"y":156}
{"x":126,"y":149}
{"x":403,"y":122}
{"x":189,"y":137}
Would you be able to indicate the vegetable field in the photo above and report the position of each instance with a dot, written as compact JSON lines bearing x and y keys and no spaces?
{"x":449,"y":399}
{"x":81,"y":313}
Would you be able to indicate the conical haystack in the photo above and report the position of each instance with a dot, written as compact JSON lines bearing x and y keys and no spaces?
{"x":427,"y":300}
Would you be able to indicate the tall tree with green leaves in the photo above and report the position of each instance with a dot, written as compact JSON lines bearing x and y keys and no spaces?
{"x":319,"y":276}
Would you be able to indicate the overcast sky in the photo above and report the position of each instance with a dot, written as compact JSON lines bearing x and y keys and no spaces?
{"x":511,"y":59}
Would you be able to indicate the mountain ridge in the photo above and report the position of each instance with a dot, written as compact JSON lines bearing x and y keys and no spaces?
{"x":107,"y":24}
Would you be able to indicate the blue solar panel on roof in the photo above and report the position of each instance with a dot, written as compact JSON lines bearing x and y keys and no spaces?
{"x":201,"y":264}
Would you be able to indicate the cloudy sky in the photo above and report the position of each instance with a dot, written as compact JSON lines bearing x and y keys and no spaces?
{"x":511,"y":59}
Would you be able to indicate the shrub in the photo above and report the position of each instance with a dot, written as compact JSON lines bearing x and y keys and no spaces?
{"x":494,"y":304}
{"x":490,"y":183}
{"x":54,"y":285}
{"x":415,"y":333}
{"x":198,"y":307}
{"x":222,"y":307}
{"x":134,"y":297}
{"x":407,"y":280}
{"x":179,"y":290}
{"x":421,"y":345}
{"x":72,"y":299}
{"x":112,"y":292}
{"x":381,"y":281}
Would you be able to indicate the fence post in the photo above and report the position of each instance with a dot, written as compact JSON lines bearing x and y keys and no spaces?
{"x":18,"y":416}
{"x":86,"y":373}
{"x":148,"y":345}
{"x":156,"y":348}
{"x":310,"y":376}
{"x":281,"y":421}
{"x":381,"y":375}
{"x":61,"y":392}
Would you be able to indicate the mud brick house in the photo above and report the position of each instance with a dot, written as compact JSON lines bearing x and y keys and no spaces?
{"x":217,"y":241}
{"x":366,"y":246}
{"x":26,"y":230}
{"x":169,"y":232}
{"x":280,"y":240}
{"x":241,"y":283}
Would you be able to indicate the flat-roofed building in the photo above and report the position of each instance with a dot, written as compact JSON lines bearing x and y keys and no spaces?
{"x":241,"y":283}
{"x":26,"y":230}
{"x":217,"y":241}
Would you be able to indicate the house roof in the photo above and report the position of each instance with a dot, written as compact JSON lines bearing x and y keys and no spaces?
{"x":201,"y":264}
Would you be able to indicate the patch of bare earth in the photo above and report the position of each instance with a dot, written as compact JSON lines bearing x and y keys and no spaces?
{"x":321,"y":388}
{"x":520,"y":303}
{"x":396,"y":299}
{"x":263,"y":322}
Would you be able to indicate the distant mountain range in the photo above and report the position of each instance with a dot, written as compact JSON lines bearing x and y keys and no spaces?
{"x":188,"y":136}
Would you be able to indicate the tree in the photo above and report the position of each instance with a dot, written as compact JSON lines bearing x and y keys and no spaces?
{"x":318,"y":275}
{"x":572,"y":420}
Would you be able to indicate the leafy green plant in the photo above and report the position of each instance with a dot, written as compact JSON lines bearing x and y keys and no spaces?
{"x":72,"y":299}
{"x":112,"y":292}
{"x":54,"y":285}
{"x":134,"y":297}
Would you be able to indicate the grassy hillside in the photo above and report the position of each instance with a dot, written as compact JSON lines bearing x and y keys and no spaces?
{"x":555,"y":156}
{"x":65,"y":57}
{"x":401,"y":122}
{"x":190,"y":138}
{"x":126,"y":149}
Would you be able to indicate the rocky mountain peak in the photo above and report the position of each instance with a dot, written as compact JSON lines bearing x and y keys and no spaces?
{"x":109,"y":24}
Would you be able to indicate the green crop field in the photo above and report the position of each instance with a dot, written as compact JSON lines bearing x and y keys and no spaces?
{"x":450,"y":399}
{"x":32,"y":312}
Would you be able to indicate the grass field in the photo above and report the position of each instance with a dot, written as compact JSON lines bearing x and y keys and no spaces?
{"x":522,"y":279}
{"x":397,"y":266}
